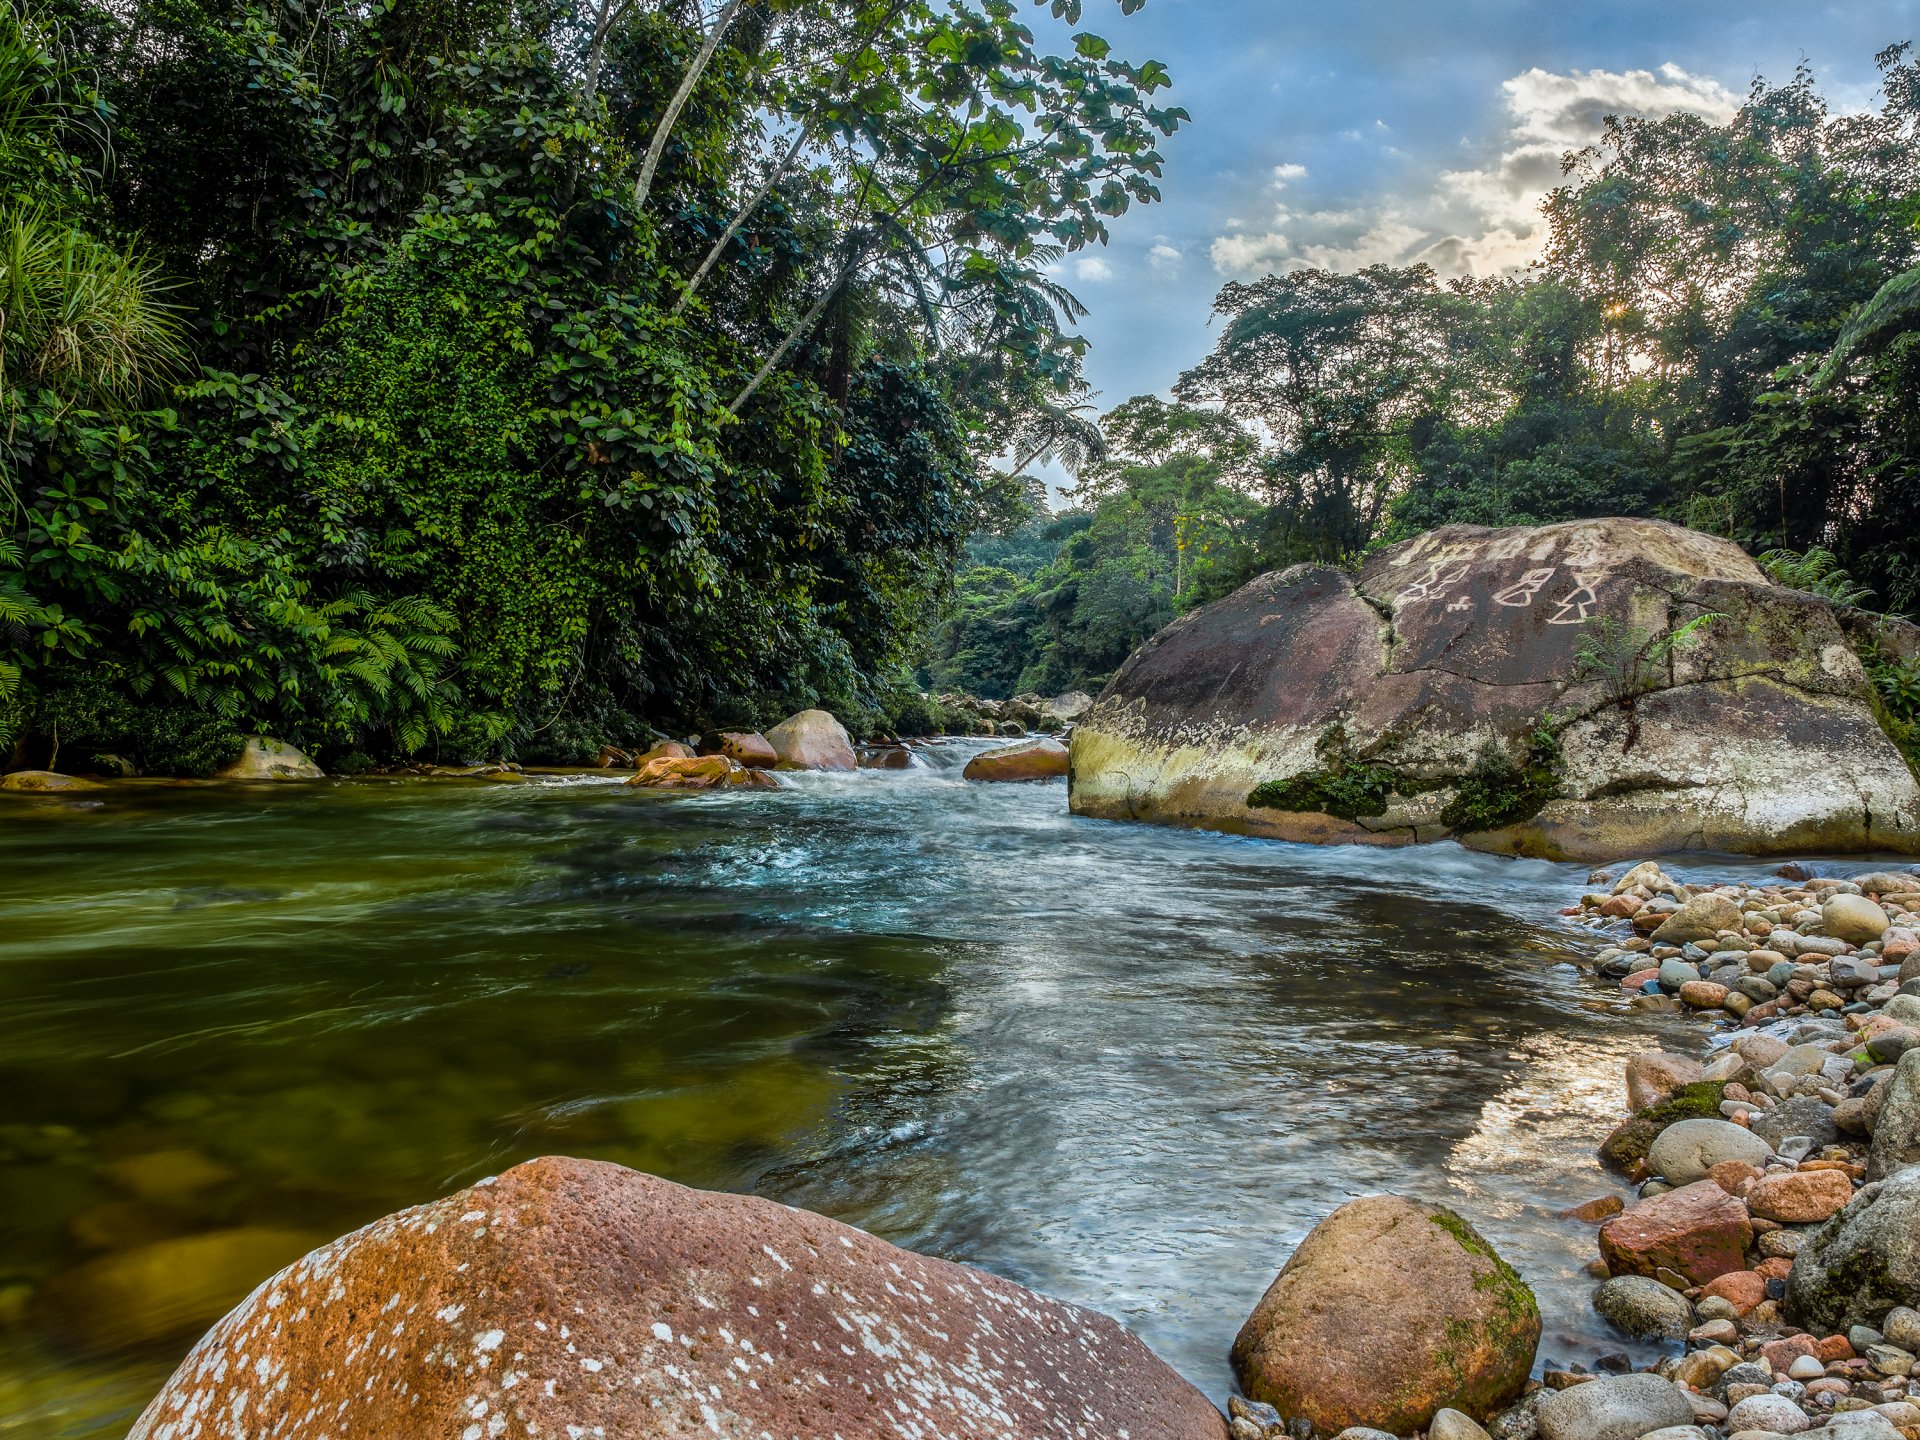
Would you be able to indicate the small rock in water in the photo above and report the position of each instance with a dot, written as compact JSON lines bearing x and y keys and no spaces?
{"x":1644,"y":1308}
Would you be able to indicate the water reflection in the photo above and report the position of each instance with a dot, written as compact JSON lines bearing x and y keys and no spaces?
{"x":1129,"y":1066}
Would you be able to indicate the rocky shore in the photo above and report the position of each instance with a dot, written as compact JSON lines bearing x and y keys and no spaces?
{"x":1775,"y":1239}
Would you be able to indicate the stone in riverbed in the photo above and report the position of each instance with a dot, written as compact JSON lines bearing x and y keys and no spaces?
{"x":163,"y":1291}
{"x":1773,"y":1413}
{"x":1853,"y":918}
{"x":1033,"y":760}
{"x":582,"y":1298}
{"x":1644,"y":1308}
{"x":1799,"y":1197}
{"x":1686,"y":1151}
{"x":1862,"y":1262}
{"x":264,"y":758}
{"x":1806,"y":1115}
{"x":1697,"y":1231}
{"x":705,"y":772}
{"x":45,"y":782}
{"x":743,"y":747}
{"x":1389,"y":1311}
{"x":1619,"y":1407}
{"x":812,"y":740}
{"x":1896,"y":1130}
{"x":1701,"y":918}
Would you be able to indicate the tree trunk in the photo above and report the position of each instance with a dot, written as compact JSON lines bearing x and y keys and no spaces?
{"x":644,"y":184}
{"x":804,"y":324}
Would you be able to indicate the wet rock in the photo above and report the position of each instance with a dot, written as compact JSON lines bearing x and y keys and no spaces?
{"x":665,"y":750}
{"x":576,"y":1297}
{"x":1619,"y":1407}
{"x":45,"y":782}
{"x":1700,"y":918}
{"x":743,"y":747}
{"x":812,"y":740}
{"x":162,"y":1291}
{"x":1069,"y":706}
{"x":1697,"y":1232}
{"x":1644,"y":1308}
{"x":704,"y":772}
{"x":1034,"y":760}
{"x":268,"y":759}
{"x":1803,"y":1115}
{"x":1888,"y":882}
{"x":1853,"y":918}
{"x":1685,"y":1152}
{"x":1862,"y":1262}
{"x":1389,"y":1311}
{"x":1896,"y":1128}
{"x":1799,"y":1197}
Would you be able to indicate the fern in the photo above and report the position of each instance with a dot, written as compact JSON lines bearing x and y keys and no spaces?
{"x":1817,"y":571}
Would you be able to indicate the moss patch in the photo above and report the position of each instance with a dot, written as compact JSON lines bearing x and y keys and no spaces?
{"x":1626,"y":1148}
{"x":1352,"y":791}
{"x":1497,"y":792}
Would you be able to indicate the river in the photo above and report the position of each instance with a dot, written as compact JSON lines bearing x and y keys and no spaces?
{"x":1124,"y":1065}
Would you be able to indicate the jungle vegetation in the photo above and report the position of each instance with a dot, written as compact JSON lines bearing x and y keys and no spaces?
{"x":1724,"y":331}
{"x":495,"y":378}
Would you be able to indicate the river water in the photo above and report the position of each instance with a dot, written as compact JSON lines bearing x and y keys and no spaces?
{"x":1125,"y":1065}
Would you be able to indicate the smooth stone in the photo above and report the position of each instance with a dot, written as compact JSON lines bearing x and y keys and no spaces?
{"x":1618,"y":1407}
{"x":1452,"y":1425}
{"x":1774,"y":1413}
{"x":1853,"y":918}
{"x":1643,"y":1308}
{"x":1902,"y":1327}
{"x":1803,"y":1115}
{"x":1684,"y":1152}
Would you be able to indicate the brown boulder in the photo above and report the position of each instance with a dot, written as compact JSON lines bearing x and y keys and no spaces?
{"x":45,"y":782}
{"x":1698,"y":1231}
{"x":574,"y":1297}
{"x":1389,"y":1311}
{"x":703,"y":772}
{"x":812,"y":740}
{"x":666,"y":749}
{"x":743,"y":747}
{"x":1033,"y":760}
{"x":264,"y":758}
{"x":1405,"y":704}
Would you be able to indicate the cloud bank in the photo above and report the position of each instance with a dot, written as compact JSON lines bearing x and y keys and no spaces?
{"x":1479,"y":221}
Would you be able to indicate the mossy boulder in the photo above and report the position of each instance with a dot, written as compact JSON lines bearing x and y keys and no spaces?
{"x":1585,"y":690}
{"x":1861,"y":1263}
{"x":1626,"y":1148}
{"x":1389,"y":1311}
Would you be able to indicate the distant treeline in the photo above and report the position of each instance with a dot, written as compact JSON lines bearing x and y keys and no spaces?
{"x":1724,"y":332}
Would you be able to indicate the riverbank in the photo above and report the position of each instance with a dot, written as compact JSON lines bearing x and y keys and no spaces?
{"x":1773,"y":1238}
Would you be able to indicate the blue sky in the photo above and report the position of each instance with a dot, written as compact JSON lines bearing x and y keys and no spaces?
{"x":1359,"y":130}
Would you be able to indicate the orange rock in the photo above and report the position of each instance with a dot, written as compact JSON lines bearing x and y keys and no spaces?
{"x":1833,"y":1348}
{"x":1594,"y":1211}
{"x":1697,"y":1231}
{"x":1743,"y":1289}
{"x":703,"y":772}
{"x":576,"y":1297}
{"x":666,"y":749}
{"x":1733,"y":1176}
{"x":1775,"y":1268}
{"x":1703,"y":995}
{"x":1654,"y":1075}
{"x":747,"y":748}
{"x":1782,"y":1353}
{"x":1029,"y":760}
{"x":1800,"y":1197}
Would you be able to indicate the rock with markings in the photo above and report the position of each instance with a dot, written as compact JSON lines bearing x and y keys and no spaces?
{"x":574,"y":1297}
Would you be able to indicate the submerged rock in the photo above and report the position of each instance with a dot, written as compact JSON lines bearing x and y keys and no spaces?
{"x":268,"y":759}
{"x":1413,"y":702}
{"x":1034,"y":760}
{"x":812,"y":740}
{"x":704,"y":772}
{"x":574,"y":1297}
{"x":1389,"y":1311}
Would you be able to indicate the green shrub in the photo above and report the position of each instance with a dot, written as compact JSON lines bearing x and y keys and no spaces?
{"x":1498,"y":792}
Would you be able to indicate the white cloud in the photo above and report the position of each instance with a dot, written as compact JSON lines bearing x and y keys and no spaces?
{"x":1285,"y":175}
{"x":1483,"y":220}
{"x":1093,"y":270}
{"x":1164,"y":259}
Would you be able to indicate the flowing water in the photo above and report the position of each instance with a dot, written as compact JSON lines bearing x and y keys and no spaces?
{"x":1125,"y":1065}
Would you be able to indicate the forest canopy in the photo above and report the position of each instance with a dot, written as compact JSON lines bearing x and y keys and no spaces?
{"x":482,"y":378}
{"x":1724,"y":331}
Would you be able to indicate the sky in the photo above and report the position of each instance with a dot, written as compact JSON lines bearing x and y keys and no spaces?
{"x":1341,"y":133}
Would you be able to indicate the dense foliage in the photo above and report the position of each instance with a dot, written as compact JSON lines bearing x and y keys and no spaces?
{"x":494,"y":377}
{"x":1724,"y":332}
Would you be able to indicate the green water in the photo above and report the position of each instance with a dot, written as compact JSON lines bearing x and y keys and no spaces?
{"x":1125,"y":1065}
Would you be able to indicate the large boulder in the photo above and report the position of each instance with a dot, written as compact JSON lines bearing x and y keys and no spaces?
{"x":1526,"y":690}
{"x":1862,"y":1262}
{"x":812,"y":740}
{"x":45,"y":782}
{"x":1685,"y":1152}
{"x":573,"y":1297}
{"x":267,"y":759}
{"x":1389,"y":1311}
{"x":1030,"y":760}
{"x":1896,"y":1130}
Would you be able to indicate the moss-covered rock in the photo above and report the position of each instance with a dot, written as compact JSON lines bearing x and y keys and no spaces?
{"x":1625,"y":1149}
